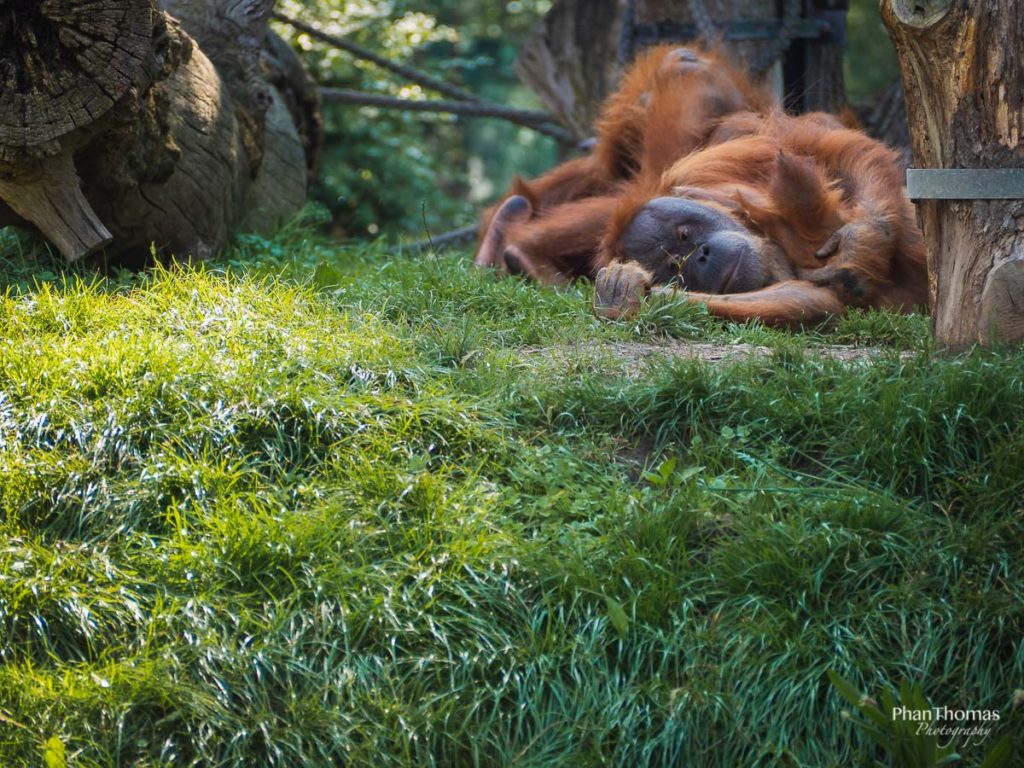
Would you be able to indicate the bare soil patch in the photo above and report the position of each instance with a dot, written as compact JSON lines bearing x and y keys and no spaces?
{"x":637,"y":354}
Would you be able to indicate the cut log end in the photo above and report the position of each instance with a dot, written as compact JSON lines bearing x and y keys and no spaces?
{"x":48,"y":194}
{"x":64,"y":64}
{"x":920,"y":14}
{"x":118,"y":127}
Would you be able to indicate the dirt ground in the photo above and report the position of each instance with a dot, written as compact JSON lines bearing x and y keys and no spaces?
{"x":638,"y":354}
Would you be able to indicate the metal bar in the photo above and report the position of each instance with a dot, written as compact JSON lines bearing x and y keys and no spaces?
{"x":965,"y":183}
{"x":767,"y":29}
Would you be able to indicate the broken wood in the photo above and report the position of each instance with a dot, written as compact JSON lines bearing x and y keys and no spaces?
{"x":63,"y":66}
{"x":47,"y":193}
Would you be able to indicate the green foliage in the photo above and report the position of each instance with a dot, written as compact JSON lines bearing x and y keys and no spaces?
{"x":354,"y":509}
{"x":389,"y":172}
{"x":54,"y":754}
{"x":870,"y":61}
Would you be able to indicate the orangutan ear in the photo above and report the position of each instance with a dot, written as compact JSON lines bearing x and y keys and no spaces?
{"x":756,"y":213}
{"x":522,"y":188}
{"x":513,"y":211}
{"x":801,"y":191}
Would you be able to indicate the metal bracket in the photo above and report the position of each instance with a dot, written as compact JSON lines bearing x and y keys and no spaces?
{"x":766,"y":29}
{"x":832,"y":24}
{"x":830,"y":5}
{"x":965,"y":184}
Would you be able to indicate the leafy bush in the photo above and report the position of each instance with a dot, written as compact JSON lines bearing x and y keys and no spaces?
{"x":389,"y":172}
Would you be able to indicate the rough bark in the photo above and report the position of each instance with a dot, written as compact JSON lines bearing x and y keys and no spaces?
{"x":964,"y":81}
{"x":48,"y":193}
{"x":63,"y":67}
{"x":64,"y":64}
{"x":571,"y":60}
{"x":182,"y":144}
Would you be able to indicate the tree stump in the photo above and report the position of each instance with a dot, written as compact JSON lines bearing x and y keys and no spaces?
{"x":964,"y":81}
{"x":117,"y":129}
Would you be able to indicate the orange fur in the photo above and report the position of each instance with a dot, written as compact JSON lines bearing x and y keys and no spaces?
{"x":827,"y":199}
{"x":792,"y":302}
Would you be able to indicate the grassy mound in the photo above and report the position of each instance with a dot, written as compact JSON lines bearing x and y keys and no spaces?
{"x":350,"y":519}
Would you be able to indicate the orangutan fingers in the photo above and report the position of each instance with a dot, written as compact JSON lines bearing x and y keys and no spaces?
{"x":619,"y":289}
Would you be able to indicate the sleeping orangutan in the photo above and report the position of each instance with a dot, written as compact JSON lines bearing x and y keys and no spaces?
{"x":701,"y":186}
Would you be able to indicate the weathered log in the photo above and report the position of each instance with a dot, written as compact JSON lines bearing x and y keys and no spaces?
{"x":299,"y":93}
{"x":964,"y":83}
{"x":117,"y":127}
{"x":47,"y":192}
{"x":63,"y":66}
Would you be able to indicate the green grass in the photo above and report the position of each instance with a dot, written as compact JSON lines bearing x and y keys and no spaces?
{"x":315,"y":507}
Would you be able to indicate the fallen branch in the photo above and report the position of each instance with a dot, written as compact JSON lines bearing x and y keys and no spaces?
{"x":538,"y":121}
{"x":444,"y":240}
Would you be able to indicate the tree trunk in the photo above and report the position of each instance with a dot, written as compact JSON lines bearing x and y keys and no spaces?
{"x":964,"y":82}
{"x":119,"y":129}
{"x":573,"y":58}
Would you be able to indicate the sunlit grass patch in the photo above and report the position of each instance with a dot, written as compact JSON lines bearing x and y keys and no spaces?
{"x":346,"y":508}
